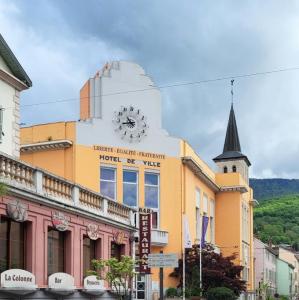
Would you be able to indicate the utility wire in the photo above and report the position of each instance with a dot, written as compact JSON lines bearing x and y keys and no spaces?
{"x":167,"y":86}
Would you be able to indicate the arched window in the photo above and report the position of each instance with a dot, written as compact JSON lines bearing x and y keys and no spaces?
{"x":234,"y":169}
{"x":225,"y":169}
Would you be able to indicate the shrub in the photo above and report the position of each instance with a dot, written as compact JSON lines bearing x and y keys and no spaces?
{"x":220,"y":293}
{"x":171,"y":292}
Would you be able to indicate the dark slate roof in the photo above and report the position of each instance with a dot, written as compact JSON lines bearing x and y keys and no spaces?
{"x":13,"y":63}
{"x":232,"y":147}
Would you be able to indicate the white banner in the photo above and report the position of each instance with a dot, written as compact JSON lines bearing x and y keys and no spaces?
{"x":187,"y":235}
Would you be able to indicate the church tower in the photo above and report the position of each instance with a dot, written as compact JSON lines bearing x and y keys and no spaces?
{"x":232,"y":159}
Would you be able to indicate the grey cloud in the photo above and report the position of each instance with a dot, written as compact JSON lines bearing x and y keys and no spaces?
{"x":65,"y":42}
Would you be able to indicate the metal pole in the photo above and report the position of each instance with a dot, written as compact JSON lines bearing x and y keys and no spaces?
{"x":161,"y":282}
{"x":200,"y":255}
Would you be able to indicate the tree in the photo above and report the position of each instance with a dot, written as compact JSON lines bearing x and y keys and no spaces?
{"x":119,"y":274}
{"x":217,"y":271}
{"x":3,"y":189}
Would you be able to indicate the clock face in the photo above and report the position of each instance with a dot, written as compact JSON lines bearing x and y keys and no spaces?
{"x":130,"y":123}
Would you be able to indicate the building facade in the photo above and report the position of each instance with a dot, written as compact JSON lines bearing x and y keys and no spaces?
{"x":287,"y":254}
{"x":120,"y":149}
{"x":285,"y":278}
{"x":265,"y":267}
{"x":13,"y":80}
{"x":50,"y":227}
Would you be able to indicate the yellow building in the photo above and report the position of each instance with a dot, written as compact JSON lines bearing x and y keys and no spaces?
{"x":119,"y":148}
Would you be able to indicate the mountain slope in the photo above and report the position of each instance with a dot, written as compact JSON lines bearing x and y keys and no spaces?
{"x":278,"y":219}
{"x":271,"y":188}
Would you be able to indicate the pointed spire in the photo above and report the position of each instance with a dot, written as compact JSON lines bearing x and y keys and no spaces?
{"x":232,"y":142}
{"x":232,"y":147}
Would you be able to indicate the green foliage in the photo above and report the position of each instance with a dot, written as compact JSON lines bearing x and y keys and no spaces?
{"x":98,"y":268}
{"x":217,"y":271}
{"x":220,"y":293}
{"x":119,"y":273}
{"x":282,"y":297}
{"x":277,"y":220}
{"x":171,"y":292}
{"x":3,"y":189}
{"x":195,"y":291}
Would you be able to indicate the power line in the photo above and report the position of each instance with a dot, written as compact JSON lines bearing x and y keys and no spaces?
{"x":167,"y":86}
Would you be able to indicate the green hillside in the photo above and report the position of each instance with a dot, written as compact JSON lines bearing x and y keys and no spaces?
{"x":278,"y":219}
{"x":275,"y":187}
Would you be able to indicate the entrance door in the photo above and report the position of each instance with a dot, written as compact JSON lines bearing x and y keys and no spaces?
{"x":140,"y":286}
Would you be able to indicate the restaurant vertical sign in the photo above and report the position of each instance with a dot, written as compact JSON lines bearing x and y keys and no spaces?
{"x":144,"y":239}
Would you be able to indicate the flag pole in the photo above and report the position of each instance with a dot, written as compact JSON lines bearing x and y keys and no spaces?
{"x":200,"y":255}
{"x":184,"y":272}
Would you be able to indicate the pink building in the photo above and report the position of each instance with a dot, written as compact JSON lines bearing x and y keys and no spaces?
{"x":49,"y":225}
{"x":265,"y":266}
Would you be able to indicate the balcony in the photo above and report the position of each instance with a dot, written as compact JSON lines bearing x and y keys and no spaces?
{"x":45,"y":187}
{"x":159,"y":237}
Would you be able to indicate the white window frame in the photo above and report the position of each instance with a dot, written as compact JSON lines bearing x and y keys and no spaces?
{"x":114,"y":181}
{"x":157,"y":210}
{"x":137,"y":185}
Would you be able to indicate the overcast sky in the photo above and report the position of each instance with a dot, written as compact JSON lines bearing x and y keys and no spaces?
{"x":62,"y":43}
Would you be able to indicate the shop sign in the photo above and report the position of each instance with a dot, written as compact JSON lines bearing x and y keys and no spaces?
{"x":118,"y":237}
{"x":17,"y":211}
{"x":61,"y":281}
{"x":59,"y":221}
{"x":17,"y":278}
{"x":144,"y":241}
{"x":160,"y":260}
{"x":93,"y":283}
{"x":93,"y":231}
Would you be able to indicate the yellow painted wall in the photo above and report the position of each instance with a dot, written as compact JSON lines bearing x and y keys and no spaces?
{"x":178,"y":184}
{"x":59,"y":162}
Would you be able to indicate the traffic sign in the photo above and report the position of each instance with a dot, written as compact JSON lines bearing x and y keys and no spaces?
{"x":159,"y":260}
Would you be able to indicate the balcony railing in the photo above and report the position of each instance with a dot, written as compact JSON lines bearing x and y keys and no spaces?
{"x":159,"y":237}
{"x":20,"y":175}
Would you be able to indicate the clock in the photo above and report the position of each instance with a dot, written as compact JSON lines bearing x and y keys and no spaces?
{"x":130,"y":123}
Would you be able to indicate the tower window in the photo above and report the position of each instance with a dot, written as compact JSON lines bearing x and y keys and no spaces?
{"x":234,"y":169}
{"x":225,"y":169}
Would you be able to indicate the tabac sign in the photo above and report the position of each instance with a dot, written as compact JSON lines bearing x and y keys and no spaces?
{"x":144,"y":239}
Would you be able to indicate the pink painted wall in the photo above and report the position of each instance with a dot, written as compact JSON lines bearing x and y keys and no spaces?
{"x":39,"y":219}
{"x":264,"y":260}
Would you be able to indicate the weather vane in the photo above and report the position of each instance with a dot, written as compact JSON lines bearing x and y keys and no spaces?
{"x":232,"y":90}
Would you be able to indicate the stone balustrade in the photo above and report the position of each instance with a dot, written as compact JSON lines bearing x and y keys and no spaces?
{"x":20,"y":175}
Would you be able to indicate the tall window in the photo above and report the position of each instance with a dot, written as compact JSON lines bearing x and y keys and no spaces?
{"x":116,"y":250}
{"x":56,"y":251}
{"x":234,"y":169}
{"x":108,"y":182}
{"x":12,"y":244}
{"x":130,"y":187}
{"x":151,"y":194}
{"x":89,"y":253}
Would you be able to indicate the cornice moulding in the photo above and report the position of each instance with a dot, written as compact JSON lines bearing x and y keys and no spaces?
{"x":43,"y":146}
